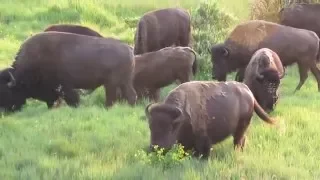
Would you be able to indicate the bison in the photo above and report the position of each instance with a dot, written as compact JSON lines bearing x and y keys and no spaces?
{"x":262,"y":76}
{"x":199,"y":114}
{"x":162,"y":28}
{"x":154,"y":70}
{"x":292,"y":45}
{"x":56,"y":63}
{"x":303,"y":16}
{"x":73,"y":28}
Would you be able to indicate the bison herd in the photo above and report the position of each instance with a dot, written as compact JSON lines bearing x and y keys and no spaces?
{"x":54,"y":64}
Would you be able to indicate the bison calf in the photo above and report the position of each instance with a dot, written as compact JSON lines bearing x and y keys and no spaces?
{"x":198,"y":114}
{"x":158,"y":69}
{"x":262,"y":76}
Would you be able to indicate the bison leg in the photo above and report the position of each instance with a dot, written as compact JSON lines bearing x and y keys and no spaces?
{"x":71,"y":96}
{"x":316,"y":72}
{"x":111,"y":95}
{"x":130,"y":93}
{"x":202,"y":146}
{"x":239,"y":137}
{"x":55,"y":104}
{"x":154,"y":95}
{"x":240,"y":74}
{"x":303,"y":71}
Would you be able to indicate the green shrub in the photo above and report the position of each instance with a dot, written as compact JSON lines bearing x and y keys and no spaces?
{"x":174,"y":157}
{"x":210,"y":26}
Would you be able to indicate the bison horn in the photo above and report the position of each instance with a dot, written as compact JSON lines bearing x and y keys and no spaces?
{"x":225,"y":52}
{"x":146,"y":110}
{"x":12,"y":80}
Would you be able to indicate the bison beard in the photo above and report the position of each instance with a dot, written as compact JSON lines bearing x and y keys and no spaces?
{"x":271,"y":82}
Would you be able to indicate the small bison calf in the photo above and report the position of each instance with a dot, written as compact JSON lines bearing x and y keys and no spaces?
{"x":198,"y":114}
{"x":161,"y":68}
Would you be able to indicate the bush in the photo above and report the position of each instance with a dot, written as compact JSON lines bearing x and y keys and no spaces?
{"x":174,"y":157}
{"x":269,"y":9}
{"x":210,"y":26}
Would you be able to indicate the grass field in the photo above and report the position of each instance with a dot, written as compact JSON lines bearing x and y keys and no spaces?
{"x":91,"y":142}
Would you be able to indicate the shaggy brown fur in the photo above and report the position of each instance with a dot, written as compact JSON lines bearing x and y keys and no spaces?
{"x":291,"y":44}
{"x":199,"y":114}
{"x":155,"y":70}
{"x":162,"y":28}
{"x":263,"y":60}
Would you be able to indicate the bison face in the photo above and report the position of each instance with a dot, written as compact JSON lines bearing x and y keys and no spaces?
{"x":219,"y":56}
{"x":164,"y":123}
{"x":10,"y":98}
{"x":268,"y":89}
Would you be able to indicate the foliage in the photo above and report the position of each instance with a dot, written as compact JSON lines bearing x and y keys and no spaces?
{"x":210,"y":26}
{"x":174,"y":157}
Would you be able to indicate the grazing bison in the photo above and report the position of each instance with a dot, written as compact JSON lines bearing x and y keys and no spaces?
{"x":154,"y":70}
{"x":56,"y":63}
{"x":303,"y":16}
{"x":11,"y":100}
{"x":198,"y":114}
{"x":73,"y":28}
{"x":162,"y":28}
{"x":291,"y":44}
{"x":262,"y":76}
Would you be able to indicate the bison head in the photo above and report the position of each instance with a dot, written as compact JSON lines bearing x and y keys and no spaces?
{"x":164,"y":122}
{"x":11,"y":99}
{"x":267,"y":89}
{"x":219,"y":59}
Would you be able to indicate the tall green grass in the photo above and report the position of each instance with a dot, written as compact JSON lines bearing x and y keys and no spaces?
{"x":91,"y":142}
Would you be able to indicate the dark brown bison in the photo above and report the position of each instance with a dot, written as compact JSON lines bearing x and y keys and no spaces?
{"x":291,"y":44}
{"x":262,"y":76}
{"x":303,"y":16}
{"x":55,"y":63}
{"x":162,"y":28}
{"x":155,"y":70}
{"x":73,"y":28}
{"x":199,"y":114}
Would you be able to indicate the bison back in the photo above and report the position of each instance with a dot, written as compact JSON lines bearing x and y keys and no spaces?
{"x":71,"y":28}
{"x":214,"y":108}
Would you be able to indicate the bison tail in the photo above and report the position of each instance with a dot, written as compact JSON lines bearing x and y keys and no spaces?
{"x":138,"y":39}
{"x":262,"y":114}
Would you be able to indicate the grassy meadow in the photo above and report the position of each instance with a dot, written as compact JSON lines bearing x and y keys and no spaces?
{"x":91,"y":142}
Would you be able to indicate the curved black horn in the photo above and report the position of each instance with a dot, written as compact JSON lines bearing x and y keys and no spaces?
{"x":12,"y":80}
{"x":225,"y":52}
{"x":146,"y":110}
{"x":283,"y":73}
